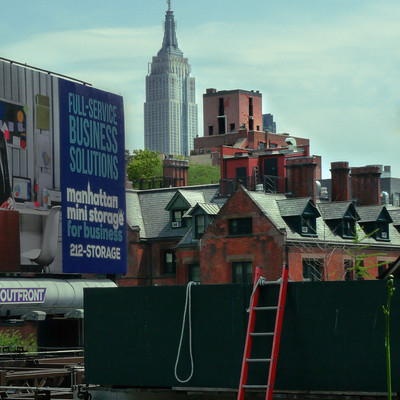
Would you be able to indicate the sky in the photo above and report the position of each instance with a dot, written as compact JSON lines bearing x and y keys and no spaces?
{"x":327,"y":70}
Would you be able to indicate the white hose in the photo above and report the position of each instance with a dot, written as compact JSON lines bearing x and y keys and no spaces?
{"x":188,"y":302}
{"x":261,"y":281}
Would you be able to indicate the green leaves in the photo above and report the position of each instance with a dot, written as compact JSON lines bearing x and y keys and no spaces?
{"x":14,"y":339}
{"x":203,"y":174}
{"x":358,"y":254}
{"x":146,"y":165}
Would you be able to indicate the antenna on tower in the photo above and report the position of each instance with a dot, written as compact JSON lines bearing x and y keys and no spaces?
{"x":169,"y":5}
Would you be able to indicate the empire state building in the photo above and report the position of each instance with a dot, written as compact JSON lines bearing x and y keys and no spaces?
{"x":170,"y":110}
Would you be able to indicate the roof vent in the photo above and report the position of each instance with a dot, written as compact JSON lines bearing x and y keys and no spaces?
{"x":291,"y":142}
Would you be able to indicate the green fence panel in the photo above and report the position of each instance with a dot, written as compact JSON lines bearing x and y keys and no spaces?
{"x":332,"y":337}
{"x":132,"y":335}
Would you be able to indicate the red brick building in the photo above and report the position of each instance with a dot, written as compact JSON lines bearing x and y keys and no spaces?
{"x":228,"y":110}
{"x":274,"y":170}
{"x":194,"y":233}
{"x":234,"y":118}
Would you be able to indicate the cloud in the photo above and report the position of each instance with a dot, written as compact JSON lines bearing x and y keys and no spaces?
{"x":332,"y":78}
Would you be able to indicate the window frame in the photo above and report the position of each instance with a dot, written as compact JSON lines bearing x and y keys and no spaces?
{"x":348,"y":228}
{"x":382,"y":233}
{"x":311,"y":275}
{"x":197,"y":226}
{"x":166,"y":270}
{"x":348,"y":265}
{"x":191,"y":275}
{"x":240,"y":226}
{"x":310,"y":222}
{"x":244,"y":273}
{"x":178,"y":218}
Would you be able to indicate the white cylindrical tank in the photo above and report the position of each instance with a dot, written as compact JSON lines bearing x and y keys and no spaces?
{"x":19,"y":296}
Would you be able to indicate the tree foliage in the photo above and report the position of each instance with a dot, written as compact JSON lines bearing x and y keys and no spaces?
{"x":145,"y":166}
{"x":203,"y":174}
{"x":14,"y":340}
{"x":359,"y":256}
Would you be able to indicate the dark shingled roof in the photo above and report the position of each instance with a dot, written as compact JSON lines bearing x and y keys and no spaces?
{"x":395,"y":214}
{"x":146,"y":209}
{"x":335,"y":210}
{"x":372,"y":213}
{"x":293,"y":207}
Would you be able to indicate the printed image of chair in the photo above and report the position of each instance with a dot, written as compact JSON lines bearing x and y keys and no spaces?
{"x":47,"y":253}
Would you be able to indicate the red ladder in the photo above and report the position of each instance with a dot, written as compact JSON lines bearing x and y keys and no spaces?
{"x":260,"y":281}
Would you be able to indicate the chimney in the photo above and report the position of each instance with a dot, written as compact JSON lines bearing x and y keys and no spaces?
{"x":300,"y":176}
{"x":366,"y":185}
{"x":340,"y":182}
{"x":175,"y":172}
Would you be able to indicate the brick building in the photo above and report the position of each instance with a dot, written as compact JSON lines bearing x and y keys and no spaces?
{"x":194,"y":233}
{"x":273,"y":169}
{"x":234,"y":118}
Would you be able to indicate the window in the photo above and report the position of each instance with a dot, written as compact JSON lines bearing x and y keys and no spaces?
{"x":177,"y":220}
{"x":211,"y":130}
{"x":221,"y":125}
{"x":232,"y":127}
{"x":358,"y":275}
{"x":194,"y":272}
{"x":383,"y":232}
{"x":169,"y":263}
{"x":241,"y":175}
{"x":348,"y":226}
{"x":348,"y":270}
{"x":382,"y":266}
{"x":308,"y":225}
{"x":240,"y":226}
{"x":200,"y":221}
{"x":312,"y":269}
{"x":221,"y":108}
{"x":242,"y":272}
{"x":251,"y":124}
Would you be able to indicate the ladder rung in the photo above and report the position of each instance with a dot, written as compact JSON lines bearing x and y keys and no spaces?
{"x":258,"y":359}
{"x":255,"y":386}
{"x":269,"y":308}
{"x":262,"y":333}
{"x":263,"y":283}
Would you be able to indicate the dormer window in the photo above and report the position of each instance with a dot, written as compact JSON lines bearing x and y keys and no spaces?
{"x":348,"y":228}
{"x":200,"y":225}
{"x":375,"y":221}
{"x":341,"y":218}
{"x":383,"y":231}
{"x":182,"y":201}
{"x":202,"y":215}
{"x":300,"y":214}
{"x":177,"y":220}
{"x":308,"y":225}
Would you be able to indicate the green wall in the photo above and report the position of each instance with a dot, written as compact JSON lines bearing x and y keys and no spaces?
{"x":332,"y":338}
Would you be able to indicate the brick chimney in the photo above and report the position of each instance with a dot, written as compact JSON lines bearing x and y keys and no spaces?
{"x":340,"y":182}
{"x":175,"y":172}
{"x":366,"y":185}
{"x":301,"y":176}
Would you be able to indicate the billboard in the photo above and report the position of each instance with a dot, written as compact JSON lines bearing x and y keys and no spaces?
{"x":92,"y":171}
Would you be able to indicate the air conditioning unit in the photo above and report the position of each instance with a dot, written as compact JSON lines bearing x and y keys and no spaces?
{"x":304,"y":229}
{"x":176,"y":224}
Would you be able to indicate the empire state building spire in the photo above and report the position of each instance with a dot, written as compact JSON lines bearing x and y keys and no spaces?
{"x":170,"y":110}
{"x":170,"y":42}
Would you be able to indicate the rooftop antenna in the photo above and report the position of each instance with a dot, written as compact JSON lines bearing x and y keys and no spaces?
{"x":169,"y":5}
